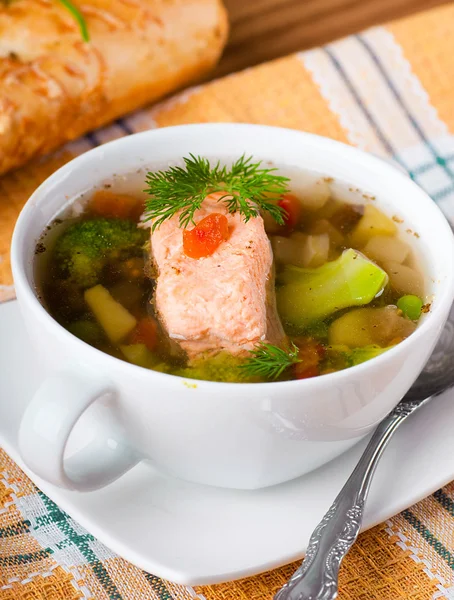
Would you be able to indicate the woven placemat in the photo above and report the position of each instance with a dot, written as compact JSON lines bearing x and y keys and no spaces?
{"x":388,"y":90}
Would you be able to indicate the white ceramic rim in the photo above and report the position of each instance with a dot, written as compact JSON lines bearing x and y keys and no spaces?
{"x":444,"y":296}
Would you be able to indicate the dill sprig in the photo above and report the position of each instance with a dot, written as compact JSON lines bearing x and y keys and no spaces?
{"x":75,"y":13}
{"x":269,"y":362}
{"x":247,"y":188}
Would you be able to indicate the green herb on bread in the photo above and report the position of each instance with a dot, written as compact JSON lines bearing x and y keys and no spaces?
{"x":75,"y":12}
{"x":79,"y":18}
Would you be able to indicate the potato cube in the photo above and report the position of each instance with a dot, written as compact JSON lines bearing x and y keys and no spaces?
{"x":403,"y":279}
{"x":116,"y":321}
{"x":352,"y":329}
{"x":389,"y":326}
{"x":382,"y":248}
{"x":372,"y":223}
{"x":315,"y":195}
{"x":301,"y":250}
{"x":324,"y":226}
{"x":315,"y":250}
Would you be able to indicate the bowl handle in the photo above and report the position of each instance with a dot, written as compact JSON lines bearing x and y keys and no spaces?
{"x":47,"y":424}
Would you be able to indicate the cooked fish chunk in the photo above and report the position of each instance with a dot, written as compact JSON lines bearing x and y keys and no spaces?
{"x":221,"y":302}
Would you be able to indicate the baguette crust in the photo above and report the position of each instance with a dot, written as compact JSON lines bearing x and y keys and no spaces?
{"x":54,"y":87}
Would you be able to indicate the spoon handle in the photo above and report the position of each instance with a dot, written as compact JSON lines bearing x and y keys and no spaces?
{"x":317,"y":577}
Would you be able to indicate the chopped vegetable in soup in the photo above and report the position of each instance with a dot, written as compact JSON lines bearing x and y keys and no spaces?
{"x":233,"y":274}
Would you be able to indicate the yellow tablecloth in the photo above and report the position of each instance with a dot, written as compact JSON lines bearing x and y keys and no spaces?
{"x":390,"y":91}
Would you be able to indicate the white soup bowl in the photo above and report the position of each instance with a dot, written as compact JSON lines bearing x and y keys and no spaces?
{"x":95,"y":416}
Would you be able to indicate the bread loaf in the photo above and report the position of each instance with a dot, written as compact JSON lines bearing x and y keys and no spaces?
{"x":54,"y":87}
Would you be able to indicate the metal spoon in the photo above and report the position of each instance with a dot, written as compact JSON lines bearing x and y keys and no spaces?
{"x":317,"y":577}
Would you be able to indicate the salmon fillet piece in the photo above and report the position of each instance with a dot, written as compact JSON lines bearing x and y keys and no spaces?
{"x":225,"y":301}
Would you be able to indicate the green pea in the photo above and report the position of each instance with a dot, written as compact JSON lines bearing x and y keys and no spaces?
{"x":411,"y":306}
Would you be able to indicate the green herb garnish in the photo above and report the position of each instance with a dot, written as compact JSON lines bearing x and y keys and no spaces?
{"x":75,"y":13}
{"x":248,"y":189}
{"x":78,"y":17}
{"x":269,"y":361}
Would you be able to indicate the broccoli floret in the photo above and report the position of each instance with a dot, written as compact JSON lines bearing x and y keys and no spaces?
{"x":309,"y":295}
{"x":87,"y":331}
{"x":221,"y":367}
{"x":84,"y":247}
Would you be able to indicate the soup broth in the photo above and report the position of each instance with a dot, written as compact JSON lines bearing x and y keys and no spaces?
{"x":347,"y":284}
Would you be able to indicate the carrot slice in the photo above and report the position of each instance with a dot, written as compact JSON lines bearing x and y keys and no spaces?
{"x":146,"y":332}
{"x":112,"y":205}
{"x":301,"y":372}
{"x":205,"y":238}
{"x":310,"y":353}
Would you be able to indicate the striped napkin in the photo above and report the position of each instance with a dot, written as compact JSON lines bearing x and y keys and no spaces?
{"x":389,"y":91}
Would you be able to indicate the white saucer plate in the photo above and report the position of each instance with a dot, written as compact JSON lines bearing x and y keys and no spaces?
{"x":193,"y":534}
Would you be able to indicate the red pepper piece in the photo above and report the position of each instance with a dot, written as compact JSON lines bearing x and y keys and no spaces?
{"x":293,"y":210}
